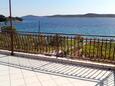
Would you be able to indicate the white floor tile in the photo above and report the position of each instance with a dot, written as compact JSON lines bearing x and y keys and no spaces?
{"x":21,"y":77}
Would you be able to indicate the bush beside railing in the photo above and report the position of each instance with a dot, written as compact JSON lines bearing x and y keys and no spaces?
{"x":88,"y":47}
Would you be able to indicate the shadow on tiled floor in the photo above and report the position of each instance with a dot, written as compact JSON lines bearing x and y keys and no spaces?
{"x":72,"y":72}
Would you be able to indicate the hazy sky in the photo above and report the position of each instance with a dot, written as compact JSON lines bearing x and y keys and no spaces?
{"x":52,"y":7}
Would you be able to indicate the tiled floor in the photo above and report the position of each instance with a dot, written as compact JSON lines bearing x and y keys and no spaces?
{"x":16,"y":71}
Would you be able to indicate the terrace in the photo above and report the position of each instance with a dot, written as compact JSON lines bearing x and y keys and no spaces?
{"x":55,"y":59}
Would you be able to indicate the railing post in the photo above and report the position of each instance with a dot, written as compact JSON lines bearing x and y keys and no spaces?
{"x":11,"y":32}
{"x":12,"y":45}
{"x":114,"y":77}
{"x":56,"y":39}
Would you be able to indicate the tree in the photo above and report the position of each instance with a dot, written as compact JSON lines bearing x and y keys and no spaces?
{"x":3,"y":19}
{"x":6,"y":19}
{"x":18,"y":18}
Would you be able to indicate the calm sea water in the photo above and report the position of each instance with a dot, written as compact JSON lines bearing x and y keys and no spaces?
{"x":97,"y":26}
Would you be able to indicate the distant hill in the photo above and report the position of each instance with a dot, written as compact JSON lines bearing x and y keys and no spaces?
{"x":90,"y":15}
{"x":30,"y":17}
{"x":86,"y":15}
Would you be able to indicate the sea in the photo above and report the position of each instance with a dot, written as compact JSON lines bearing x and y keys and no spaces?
{"x":74,"y":25}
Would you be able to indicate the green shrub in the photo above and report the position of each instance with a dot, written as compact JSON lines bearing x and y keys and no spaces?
{"x":8,"y":28}
{"x":56,"y":40}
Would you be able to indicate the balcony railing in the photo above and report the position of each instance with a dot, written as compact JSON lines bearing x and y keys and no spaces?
{"x":75,"y":46}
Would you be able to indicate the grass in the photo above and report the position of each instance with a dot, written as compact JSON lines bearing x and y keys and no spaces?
{"x":99,"y":50}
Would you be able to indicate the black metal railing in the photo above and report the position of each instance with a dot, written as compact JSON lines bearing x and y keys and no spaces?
{"x":75,"y":46}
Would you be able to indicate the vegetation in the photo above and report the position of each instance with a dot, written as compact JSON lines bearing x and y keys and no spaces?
{"x":6,"y":19}
{"x":15,"y":19}
{"x":18,"y":18}
{"x":3,"y":19}
{"x":100,"y":50}
{"x":8,"y":28}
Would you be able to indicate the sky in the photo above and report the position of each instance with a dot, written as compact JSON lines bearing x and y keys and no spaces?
{"x":54,"y":7}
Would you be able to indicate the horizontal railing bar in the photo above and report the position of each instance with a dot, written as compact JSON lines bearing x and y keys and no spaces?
{"x":64,"y":34}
